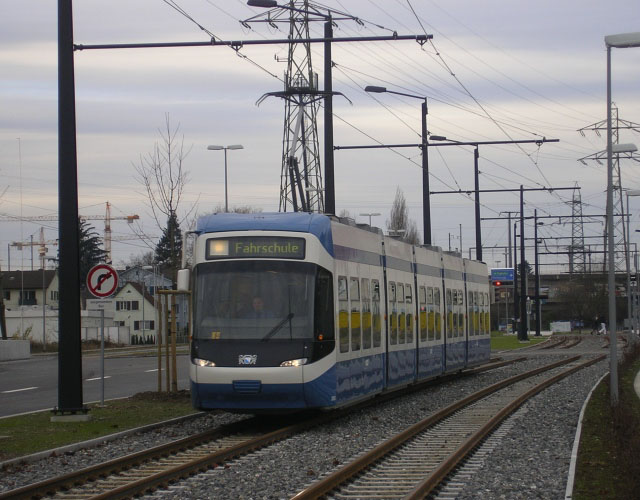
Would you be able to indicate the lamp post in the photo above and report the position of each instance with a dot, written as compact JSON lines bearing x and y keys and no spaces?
{"x":537,"y":272}
{"x":218,"y":148}
{"x":372,"y":214}
{"x":426,"y":208}
{"x":630,"y":313}
{"x":621,"y":41}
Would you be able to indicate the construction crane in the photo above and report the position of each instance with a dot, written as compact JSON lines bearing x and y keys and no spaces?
{"x":107,"y":218}
{"x":42,"y":251}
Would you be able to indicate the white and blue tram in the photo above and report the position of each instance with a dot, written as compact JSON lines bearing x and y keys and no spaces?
{"x":344,"y":312}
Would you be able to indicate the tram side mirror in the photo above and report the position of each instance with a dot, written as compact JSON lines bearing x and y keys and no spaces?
{"x":183,"y":280}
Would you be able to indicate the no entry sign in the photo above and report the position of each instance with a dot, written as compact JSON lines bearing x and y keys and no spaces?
{"x":102,"y":280}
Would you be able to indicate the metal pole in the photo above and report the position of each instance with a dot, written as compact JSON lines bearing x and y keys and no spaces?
{"x":509,"y":234}
{"x":144,"y":337}
{"x":165,"y":308}
{"x":476,"y":155}
{"x":611,"y":282}
{"x":174,"y":370}
{"x":522,"y":334}
{"x":44,"y":312}
{"x":329,"y":181}
{"x":537,"y":265}
{"x":69,"y":328}
{"x":159,"y":338}
{"x":515,"y":276}
{"x":226,"y":194}
{"x":628,"y":263}
{"x":636,"y":310}
{"x":426,"y":201}
{"x":101,"y":357}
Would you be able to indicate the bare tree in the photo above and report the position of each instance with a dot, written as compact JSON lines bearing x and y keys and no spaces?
{"x":164,"y":178}
{"x":399,"y":222}
{"x":143,"y":259}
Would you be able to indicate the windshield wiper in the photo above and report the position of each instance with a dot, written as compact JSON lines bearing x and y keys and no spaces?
{"x":277,"y":328}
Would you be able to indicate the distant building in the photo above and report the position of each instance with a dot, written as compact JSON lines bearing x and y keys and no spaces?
{"x":30,"y":289}
{"x":135,"y":309}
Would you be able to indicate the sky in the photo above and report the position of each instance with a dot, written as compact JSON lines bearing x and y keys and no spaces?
{"x":495,"y":70}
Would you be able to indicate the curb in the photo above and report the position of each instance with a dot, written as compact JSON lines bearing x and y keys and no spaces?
{"x":576,"y":442}
{"x":94,"y":442}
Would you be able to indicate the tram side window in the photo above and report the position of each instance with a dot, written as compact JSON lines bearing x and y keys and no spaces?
{"x":366,"y":314}
{"x":354,"y":294}
{"x":431,"y":314}
{"x":477,"y":316}
{"x":461,"y":323}
{"x":408,"y":291}
{"x":375,"y":313}
{"x":401,"y":312}
{"x":448,"y":303}
{"x":343,"y":313}
{"x":422,"y":301}
{"x":323,"y":317}
{"x":436,"y":302}
{"x":393,"y":316}
{"x":472,"y":314}
{"x":486,"y":313}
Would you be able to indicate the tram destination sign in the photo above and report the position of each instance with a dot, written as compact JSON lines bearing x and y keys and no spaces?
{"x":252,"y":247}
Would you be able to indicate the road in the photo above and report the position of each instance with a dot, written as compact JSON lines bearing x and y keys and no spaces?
{"x":32,"y":385}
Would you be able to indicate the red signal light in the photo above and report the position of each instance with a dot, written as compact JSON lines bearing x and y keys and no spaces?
{"x":497,"y":283}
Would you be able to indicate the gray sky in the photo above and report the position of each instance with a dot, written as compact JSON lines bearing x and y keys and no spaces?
{"x":523,"y":70}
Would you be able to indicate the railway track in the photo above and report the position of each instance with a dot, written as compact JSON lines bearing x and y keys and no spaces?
{"x":158,"y":467}
{"x":415,"y":462}
{"x":147,"y":470}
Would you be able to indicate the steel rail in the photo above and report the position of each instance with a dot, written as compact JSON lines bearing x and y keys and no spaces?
{"x":66,"y":481}
{"x":440,"y":473}
{"x":126,"y":463}
{"x":330,"y":482}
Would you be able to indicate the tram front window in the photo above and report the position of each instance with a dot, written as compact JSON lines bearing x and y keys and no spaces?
{"x":254,"y":300}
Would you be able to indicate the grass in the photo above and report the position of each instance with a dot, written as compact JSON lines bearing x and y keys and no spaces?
{"x":503,"y":342}
{"x":608,"y":460}
{"x":35,"y":432}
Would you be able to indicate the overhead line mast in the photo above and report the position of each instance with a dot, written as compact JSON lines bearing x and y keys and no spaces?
{"x":301,"y":183}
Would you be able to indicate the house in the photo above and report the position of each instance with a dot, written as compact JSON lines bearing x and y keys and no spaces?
{"x":135,"y":309}
{"x":145,"y":274}
{"x":154,"y":281}
{"x":30,"y":289}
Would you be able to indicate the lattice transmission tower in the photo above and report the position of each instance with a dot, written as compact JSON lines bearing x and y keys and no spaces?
{"x":620,"y":237}
{"x":577,"y":261}
{"x":301,"y":185}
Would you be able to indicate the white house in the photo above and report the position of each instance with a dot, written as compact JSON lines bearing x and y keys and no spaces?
{"x":135,"y":311}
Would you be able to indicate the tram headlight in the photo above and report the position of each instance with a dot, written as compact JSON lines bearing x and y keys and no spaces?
{"x":203,"y":362}
{"x":294,"y":362}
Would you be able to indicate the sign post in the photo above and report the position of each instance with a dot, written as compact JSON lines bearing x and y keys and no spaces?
{"x":102,"y":281}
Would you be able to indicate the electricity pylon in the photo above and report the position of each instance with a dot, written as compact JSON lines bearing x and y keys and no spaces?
{"x":620,"y":236}
{"x":301,"y":186}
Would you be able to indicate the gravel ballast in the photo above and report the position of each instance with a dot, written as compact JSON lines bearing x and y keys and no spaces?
{"x":530,"y":460}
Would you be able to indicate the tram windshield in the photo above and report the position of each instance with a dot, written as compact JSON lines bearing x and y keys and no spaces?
{"x":254,"y":300}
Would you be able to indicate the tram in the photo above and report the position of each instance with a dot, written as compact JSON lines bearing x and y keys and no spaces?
{"x":297,"y":311}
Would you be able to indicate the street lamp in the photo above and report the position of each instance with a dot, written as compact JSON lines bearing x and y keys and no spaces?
{"x":372,"y":214}
{"x":621,"y":41}
{"x":426,"y":208}
{"x":218,"y":148}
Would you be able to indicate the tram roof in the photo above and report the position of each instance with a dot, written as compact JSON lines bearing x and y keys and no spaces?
{"x":300,"y":222}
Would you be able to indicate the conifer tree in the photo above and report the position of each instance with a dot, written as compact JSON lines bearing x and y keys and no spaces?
{"x":168,"y":254}
{"x":91,"y":251}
